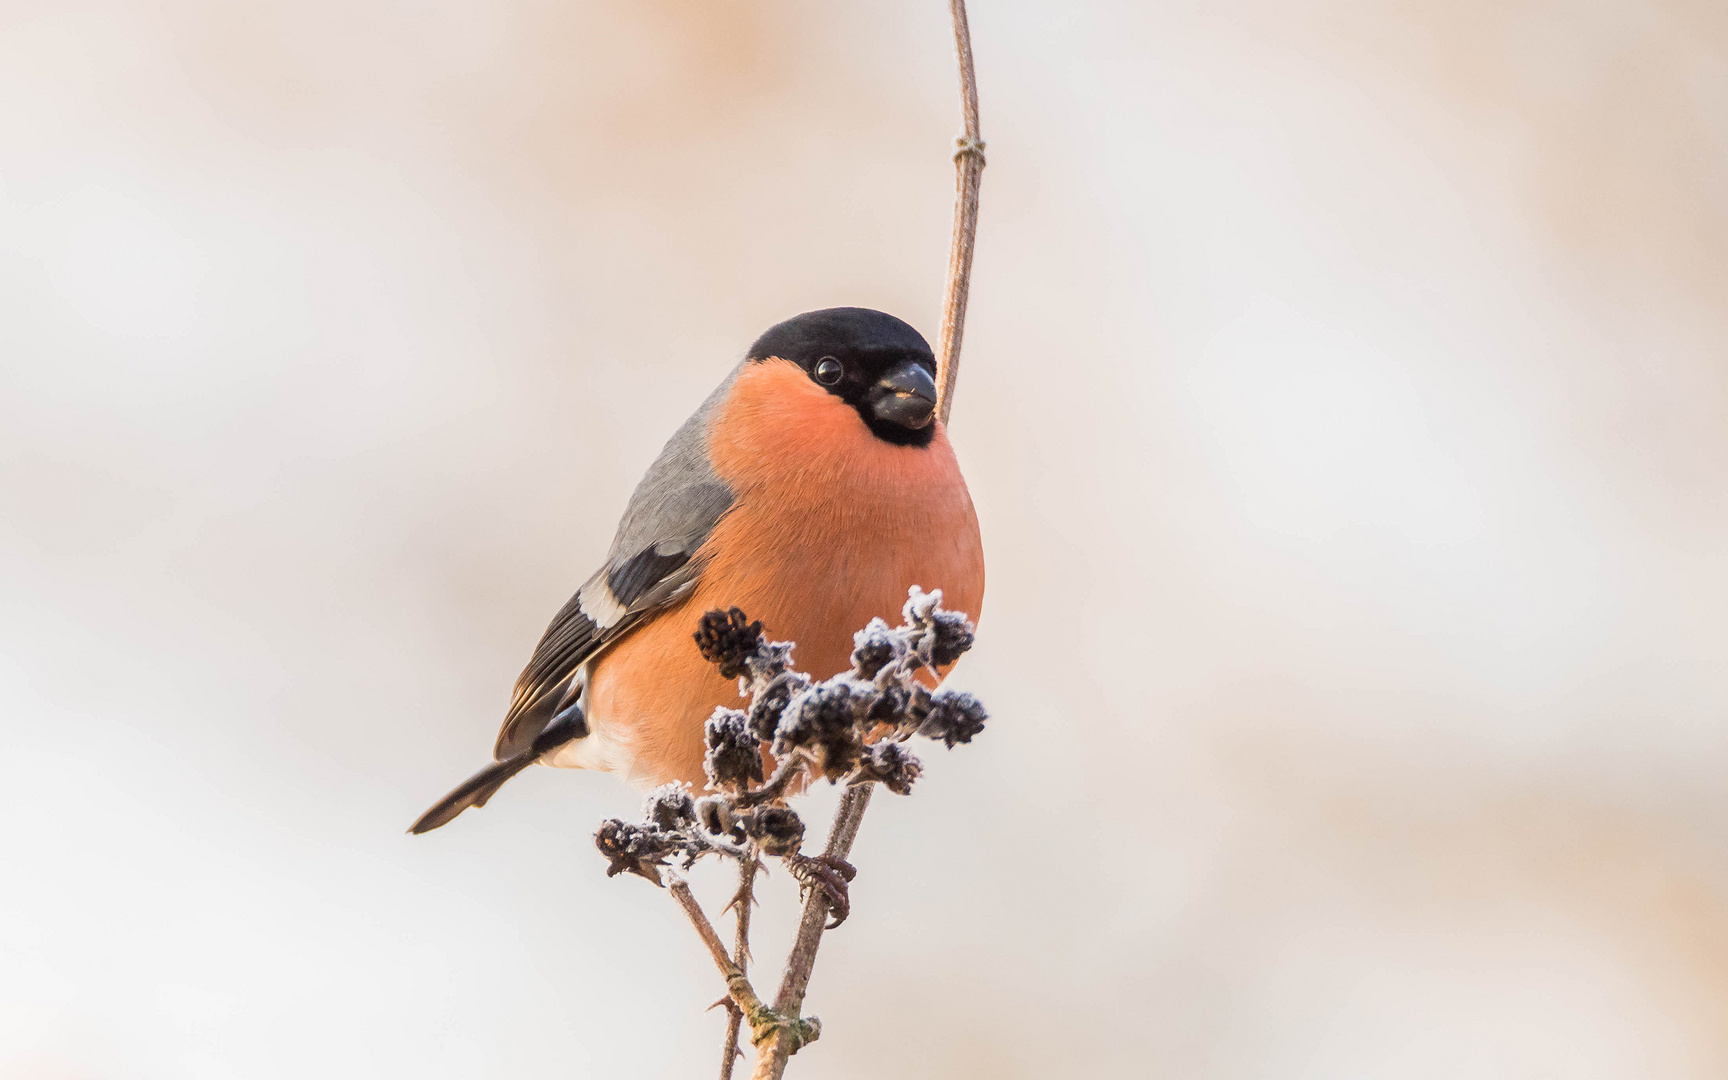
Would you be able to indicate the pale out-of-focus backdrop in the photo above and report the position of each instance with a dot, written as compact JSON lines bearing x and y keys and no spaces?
{"x":1345,"y":402}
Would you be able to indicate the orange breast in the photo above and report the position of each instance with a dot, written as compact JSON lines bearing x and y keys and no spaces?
{"x":830,"y":527}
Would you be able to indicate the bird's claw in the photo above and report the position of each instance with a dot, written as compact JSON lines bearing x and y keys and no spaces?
{"x":832,"y":875}
{"x":838,"y":865}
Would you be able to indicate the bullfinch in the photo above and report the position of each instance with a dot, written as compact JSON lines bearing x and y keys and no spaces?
{"x":811,"y":489}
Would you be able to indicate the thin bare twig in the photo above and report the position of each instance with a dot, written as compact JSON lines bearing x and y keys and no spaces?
{"x":742,"y":902}
{"x":772,"y":1057}
{"x":736,"y":981}
{"x":765,"y":1023}
{"x":968,"y":174}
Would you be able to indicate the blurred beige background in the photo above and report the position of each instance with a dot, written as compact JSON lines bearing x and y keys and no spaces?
{"x":1345,"y":401}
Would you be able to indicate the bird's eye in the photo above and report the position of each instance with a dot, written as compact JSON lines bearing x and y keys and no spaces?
{"x":828,"y":371}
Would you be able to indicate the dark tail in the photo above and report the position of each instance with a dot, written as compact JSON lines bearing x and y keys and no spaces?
{"x":474,"y":791}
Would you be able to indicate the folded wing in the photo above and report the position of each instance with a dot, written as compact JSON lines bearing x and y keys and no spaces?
{"x":654,"y":562}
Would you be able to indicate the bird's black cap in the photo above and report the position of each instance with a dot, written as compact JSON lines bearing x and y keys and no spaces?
{"x":832,"y":331}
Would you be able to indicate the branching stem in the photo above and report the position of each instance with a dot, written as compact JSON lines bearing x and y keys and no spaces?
{"x":765,"y":1023}
{"x":772,"y":1056}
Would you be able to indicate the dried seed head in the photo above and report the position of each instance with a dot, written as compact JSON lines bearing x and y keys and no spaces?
{"x":734,"y":756}
{"x":903,"y":704}
{"x":890,"y":705}
{"x":714,"y":814}
{"x":770,"y":702}
{"x":728,"y":639}
{"x":954,"y":717}
{"x":822,"y":723}
{"x":777,"y":830}
{"x":670,"y":807}
{"x":892,"y":764}
{"x":911,"y":705}
{"x":874,"y":648}
{"x":634,"y":849}
{"x":953,"y":634}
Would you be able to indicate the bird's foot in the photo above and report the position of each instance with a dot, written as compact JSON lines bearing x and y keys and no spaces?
{"x":832,"y":875}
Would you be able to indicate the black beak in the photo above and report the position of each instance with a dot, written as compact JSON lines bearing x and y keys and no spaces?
{"x":906,"y":396}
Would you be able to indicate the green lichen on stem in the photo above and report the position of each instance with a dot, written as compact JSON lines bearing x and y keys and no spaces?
{"x":766,"y":1024}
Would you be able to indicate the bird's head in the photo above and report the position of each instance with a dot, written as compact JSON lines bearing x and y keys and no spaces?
{"x":872,"y":361}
